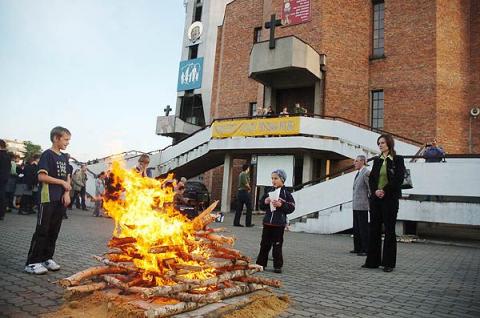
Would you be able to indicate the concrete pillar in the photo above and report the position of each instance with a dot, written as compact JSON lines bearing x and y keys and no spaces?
{"x":318,"y":97}
{"x":268,"y":97}
{"x":227,"y":184}
{"x":307,"y":174}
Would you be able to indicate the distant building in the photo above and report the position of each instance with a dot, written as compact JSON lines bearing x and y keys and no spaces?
{"x":16,"y":146}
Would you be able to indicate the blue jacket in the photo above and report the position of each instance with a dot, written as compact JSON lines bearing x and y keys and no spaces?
{"x":279,"y":216}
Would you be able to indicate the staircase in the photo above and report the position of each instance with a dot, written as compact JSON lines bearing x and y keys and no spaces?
{"x":326,"y":207}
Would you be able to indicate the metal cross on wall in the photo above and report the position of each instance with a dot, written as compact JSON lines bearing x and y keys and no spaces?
{"x":274,"y":22}
{"x":167,"y":110}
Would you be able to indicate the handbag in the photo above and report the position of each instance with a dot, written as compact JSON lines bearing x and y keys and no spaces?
{"x":407,"y":180}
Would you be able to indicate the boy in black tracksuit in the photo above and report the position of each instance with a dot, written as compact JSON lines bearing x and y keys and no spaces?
{"x":274,"y":222}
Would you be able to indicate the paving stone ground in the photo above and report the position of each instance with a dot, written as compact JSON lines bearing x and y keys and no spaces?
{"x":321,"y":277}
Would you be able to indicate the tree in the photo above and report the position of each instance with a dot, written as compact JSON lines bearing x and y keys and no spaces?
{"x":31,"y":149}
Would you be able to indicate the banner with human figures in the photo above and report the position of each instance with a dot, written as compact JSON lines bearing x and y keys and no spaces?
{"x":281,"y":126}
{"x":296,"y":12}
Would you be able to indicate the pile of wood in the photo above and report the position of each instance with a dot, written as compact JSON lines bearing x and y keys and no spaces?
{"x":227,"y":272}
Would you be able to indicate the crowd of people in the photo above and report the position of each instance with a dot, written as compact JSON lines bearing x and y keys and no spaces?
{"x":268,"y":111}
{"x":46,"y":183}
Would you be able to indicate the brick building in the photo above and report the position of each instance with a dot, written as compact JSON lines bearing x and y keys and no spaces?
{"x":411,"y":68}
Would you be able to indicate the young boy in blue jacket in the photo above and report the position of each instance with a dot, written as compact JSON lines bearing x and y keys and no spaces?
{"x":275,"y":221}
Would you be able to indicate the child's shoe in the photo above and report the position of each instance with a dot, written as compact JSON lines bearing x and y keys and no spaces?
{"x":51,"y":265}
{"x":277,"y":270}
{"x":36,"y":268}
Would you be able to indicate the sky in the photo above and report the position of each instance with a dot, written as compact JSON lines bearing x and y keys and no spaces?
{"x":104,"y":69}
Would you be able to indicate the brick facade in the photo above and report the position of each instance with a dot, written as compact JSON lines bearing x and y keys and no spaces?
{"x":430,"y":74}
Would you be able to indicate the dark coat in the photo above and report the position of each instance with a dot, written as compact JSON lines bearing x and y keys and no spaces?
{"x":395,"y":175}
{"x":5,"y":166}
{"x":279,"y":216}
{"x":31,"y":178}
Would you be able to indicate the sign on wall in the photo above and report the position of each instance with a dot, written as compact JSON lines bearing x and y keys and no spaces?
{"x":195,"y":31}
{"x":267,"y":164}
{"x":190,"y":74}
{"x":296,"y":12}
{"x":281,"y":126}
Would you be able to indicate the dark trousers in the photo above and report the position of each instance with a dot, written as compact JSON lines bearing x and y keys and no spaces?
{"x":49,"y":221}
{"x":9,"y":196}
{"x":79,"y":196}
{"x":3,"y":199}
{"x":382,"y":212}
{"x":272,"y":236}
{"x":243,"y":198}
{"x":360,"y":231}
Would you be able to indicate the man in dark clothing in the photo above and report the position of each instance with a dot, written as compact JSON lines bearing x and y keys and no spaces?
{"x":31,"y":184}
{"x":5,"y":167}
{"x":243,"y":197}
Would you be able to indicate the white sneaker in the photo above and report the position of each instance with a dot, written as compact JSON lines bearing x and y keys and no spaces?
{"x":51,"y":265}
{"x":36,"y":268}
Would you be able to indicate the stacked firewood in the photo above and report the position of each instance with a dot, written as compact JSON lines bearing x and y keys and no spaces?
{"x":219,"y":273}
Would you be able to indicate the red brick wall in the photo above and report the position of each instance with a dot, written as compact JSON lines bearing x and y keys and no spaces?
{"x":407,"y":73}
{"x":474,"y":87}
{"x":453,"y":57}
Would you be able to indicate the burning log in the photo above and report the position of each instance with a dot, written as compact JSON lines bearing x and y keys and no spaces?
{"x":157,"y":252}
{"x":117,"y":241}
{"x":220,"y":239}
{"x":75,"y":279}
{"x":108,"y":262}
{"x":210,"y":230}
{"x":260,"y":280}
{"x":205,"y":218}
{"x":118,"y":283}
{"x":88,"y":288}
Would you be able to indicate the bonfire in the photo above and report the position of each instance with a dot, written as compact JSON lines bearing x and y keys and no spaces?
{"x":161,"y":256}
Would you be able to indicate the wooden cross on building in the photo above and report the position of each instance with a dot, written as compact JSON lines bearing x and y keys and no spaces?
{"x":167,"y":110}
{"x":274,"y":22}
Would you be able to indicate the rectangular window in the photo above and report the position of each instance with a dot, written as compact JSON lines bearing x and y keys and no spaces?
{"x":377,"y":109}
{"x":257,"y":35}
{"x":378,"y":28}
{"x":252,"y":111}
{"x":193,"y":52}
{"x":197,"y":11}
{"x":191,"y":109}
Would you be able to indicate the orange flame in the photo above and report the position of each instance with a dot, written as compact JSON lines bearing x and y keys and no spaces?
{"x":143,"y":210}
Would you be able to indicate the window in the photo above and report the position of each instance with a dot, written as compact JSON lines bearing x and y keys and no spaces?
{"x":378,"y":28}
{"x":193,"y":52}
{"x":377,"y":109}
{"x":257,"y":35}
{"x":191,"y":109}
{"x":197,"y":11}
{"x":252,"y":111}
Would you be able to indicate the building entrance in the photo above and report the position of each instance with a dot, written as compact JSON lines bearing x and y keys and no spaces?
{"x":288,"y":97}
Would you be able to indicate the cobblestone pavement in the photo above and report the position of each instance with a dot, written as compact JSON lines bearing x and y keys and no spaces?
{"x":321,"y":277}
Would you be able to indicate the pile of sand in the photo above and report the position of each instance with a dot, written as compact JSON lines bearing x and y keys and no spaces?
{"x":261,"y":304}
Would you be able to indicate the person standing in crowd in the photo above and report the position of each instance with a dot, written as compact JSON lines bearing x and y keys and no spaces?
{"x":385,"y":182}
{"x":99,"y":189}
{"x":79,"y":186}
{"x":244,"y":197}
{"x":31,"y":182}
{"x":275,"y":220}
{"x":11,"y":183}
{"x":142,"y":165}
{"x":20,"y":188}
{"x":284,"y":111}
{"x":270,"y":111}
{"x":5,"y":166}
{"x":360,"y":205}
{"x":55,"y":186}
{"x":433,"y":153}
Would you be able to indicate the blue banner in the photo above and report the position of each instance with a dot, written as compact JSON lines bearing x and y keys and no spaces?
{"x":190,"y":74}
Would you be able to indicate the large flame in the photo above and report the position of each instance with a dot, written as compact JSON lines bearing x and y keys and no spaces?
{"x":143,"y":211}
